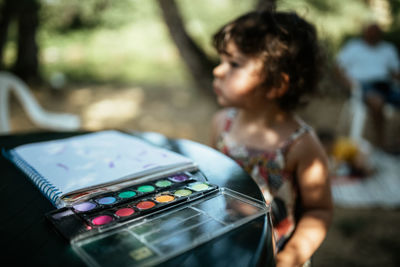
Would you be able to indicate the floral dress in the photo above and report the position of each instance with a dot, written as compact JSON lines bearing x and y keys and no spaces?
{"x":267,"y":168}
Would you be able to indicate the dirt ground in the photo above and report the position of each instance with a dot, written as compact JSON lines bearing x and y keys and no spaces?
{"x":358,"y":237}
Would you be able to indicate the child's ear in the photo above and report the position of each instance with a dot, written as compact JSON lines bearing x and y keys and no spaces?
{"x":278,"y":92}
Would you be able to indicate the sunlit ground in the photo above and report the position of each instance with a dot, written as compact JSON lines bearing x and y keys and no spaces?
{"x":177,"y":113}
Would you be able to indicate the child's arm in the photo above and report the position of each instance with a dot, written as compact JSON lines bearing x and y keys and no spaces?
{"x":309,"y":161}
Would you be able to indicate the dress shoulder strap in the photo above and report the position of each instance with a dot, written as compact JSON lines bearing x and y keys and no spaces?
{"x":281,"y":152}
{"x":231,"y":113}
{"x":303,"y":129}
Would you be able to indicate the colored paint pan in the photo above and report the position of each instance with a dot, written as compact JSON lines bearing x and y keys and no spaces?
{"x":183,"y":192}
{"x":179,"y":178}
{"x":144,"y":205}
{"x":106,"y":200}
{"x":199,"y":186}
{"x":124,"y":212}
{"x":163,"y":183}
{"x":164,"y":198}
{"x":127,"y":194}
{"x":102,"y":220}
{"x":84,"y":206}
{"x":146,"y":188}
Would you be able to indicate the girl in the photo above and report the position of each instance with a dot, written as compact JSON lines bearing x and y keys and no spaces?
{"x":269,"y":62}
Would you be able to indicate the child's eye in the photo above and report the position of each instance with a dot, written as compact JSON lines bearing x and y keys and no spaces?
{"x":234,"y":64}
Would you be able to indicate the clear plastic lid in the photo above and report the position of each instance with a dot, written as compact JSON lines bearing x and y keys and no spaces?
{"x":159,"y":237}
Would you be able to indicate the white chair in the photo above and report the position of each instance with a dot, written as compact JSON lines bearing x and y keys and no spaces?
{"x":355,"y":112}
{"x":42,"y":118}
{"x":358,"y":113}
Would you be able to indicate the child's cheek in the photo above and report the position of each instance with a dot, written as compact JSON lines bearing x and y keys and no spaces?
{"x":243,"y":85}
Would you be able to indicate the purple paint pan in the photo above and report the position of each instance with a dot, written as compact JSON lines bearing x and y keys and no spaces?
{"x":179,"y":178}
{"x":84,"y":206}
{"x":106,"y":200}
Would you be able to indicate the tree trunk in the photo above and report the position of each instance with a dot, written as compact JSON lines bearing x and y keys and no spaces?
{"x":7,"y":12}
{"x":199,"y":65}
{"x":27,"y":65}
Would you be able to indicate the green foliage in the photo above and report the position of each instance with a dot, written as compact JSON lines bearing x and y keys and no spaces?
{"x":334,"y":19}
{"x":395,"y":11}
{"x":127,"y":41}
{"x":203,"y":18}
{"x":324,"y":7}
{"x":130,"y":44}
{"x":393,"y":36}
{"x":64,"y":16}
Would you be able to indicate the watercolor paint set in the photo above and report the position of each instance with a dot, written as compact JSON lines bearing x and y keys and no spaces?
{"x":151,"y":222}
{"x":111,"y":209}
{"x":158,"y":237}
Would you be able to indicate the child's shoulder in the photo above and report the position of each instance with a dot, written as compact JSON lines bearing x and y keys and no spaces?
{"x":307,"y":148}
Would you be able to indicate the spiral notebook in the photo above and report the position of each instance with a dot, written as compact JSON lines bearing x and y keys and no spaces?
{"x":67,"y":170}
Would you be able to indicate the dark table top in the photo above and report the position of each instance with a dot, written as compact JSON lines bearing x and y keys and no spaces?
{"x":28,"y":238}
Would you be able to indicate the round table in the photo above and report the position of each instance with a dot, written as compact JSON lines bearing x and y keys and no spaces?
{"x":28,"y":238}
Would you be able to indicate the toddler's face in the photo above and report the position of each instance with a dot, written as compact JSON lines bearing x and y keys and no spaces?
{"x":237,"y":77}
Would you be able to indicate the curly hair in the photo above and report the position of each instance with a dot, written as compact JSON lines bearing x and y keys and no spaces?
{"x":286,"y":43}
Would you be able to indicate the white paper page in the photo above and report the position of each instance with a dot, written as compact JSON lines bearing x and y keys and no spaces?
{"x":91,"y":159}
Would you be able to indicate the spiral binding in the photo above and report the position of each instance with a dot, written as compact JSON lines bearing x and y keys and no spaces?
{"x":51,"y":192}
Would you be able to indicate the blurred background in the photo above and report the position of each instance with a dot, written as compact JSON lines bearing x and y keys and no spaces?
{"x":146,"y":66}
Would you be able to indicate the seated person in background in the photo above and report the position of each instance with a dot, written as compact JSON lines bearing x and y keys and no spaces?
{"x":374,"y":65}
{"x":347,"y":157}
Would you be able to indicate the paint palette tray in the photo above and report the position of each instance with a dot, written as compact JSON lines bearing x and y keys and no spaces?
{"x":158,"y":237}
{"x":152,"y":221}
{"x":113,"y":209}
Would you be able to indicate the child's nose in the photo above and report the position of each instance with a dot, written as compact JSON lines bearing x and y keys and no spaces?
{"x":219,"y":70}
